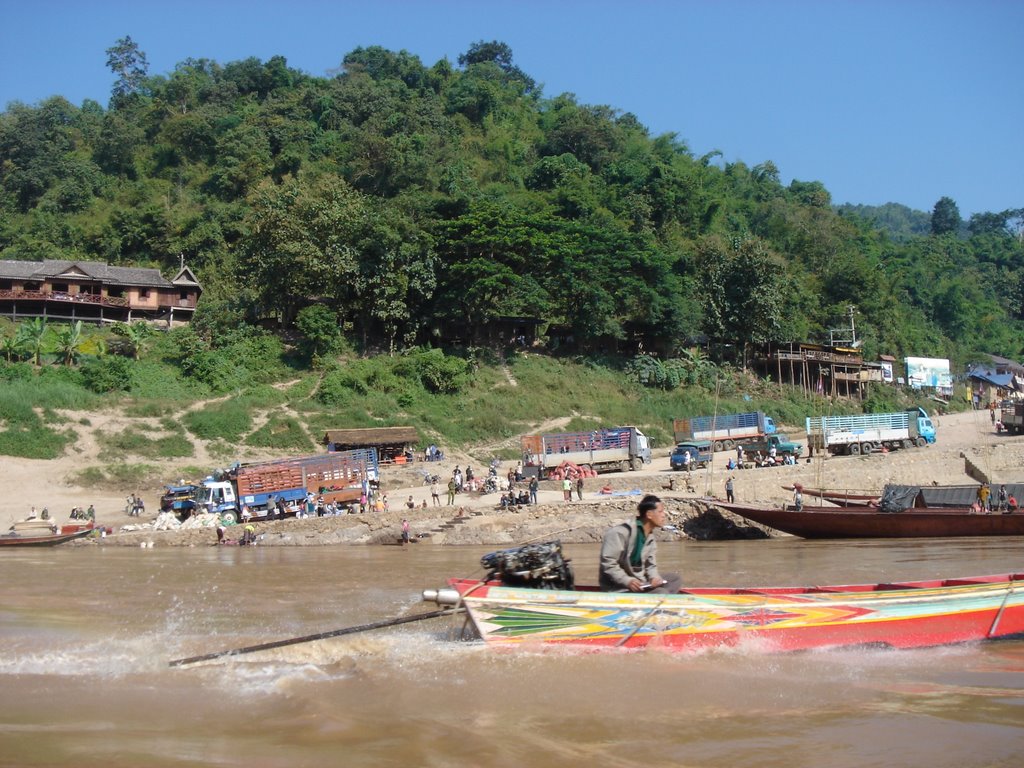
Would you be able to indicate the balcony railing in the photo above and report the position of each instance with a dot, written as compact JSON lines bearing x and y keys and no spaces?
{"x":77,"y":298}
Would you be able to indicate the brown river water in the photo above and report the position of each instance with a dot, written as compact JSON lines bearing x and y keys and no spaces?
{"x":86,"y":634}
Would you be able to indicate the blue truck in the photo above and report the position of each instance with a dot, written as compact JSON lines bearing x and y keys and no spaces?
{"x":337,"y":477}
{"x":724,"y":431}
{"x":868,"y":432}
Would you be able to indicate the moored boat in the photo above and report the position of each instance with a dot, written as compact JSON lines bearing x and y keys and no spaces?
{"x":838,"y":497}
{"x":815,"y":522}
{"x":900,"y":615}
{"x":43,"y":540}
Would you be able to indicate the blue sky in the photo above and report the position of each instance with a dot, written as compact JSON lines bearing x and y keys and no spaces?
{"x":882,"y":101}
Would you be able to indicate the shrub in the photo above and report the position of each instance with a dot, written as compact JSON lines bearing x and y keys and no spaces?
{"x":118,"y":476}
{"x":109,"y":374}
{"x":134,"y":442}
{"x":281,"y":432}
{"x":227,"y":421}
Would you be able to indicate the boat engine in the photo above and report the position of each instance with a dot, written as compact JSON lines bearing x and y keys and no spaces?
{"x":536,"y":566}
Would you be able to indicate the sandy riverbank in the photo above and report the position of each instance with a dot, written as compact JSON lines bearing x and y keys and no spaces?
{"x":965,"y":441}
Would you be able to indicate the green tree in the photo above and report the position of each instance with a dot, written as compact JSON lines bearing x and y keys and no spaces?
{"x":945,"y":217}
{"x":68,"y":342}
{"x":137,"y":334}
{"x":11,"y":347}
{"x":319,"y":326}
{"x":126,"y":60}
{"x":32,"y":337}
{"x":743,"y":285}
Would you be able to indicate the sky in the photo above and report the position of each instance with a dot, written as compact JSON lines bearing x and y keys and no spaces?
{"x":900,"y":101}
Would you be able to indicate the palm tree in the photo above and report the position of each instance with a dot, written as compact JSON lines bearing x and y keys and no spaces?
{"x":69,"y":343}
{"x":32,"y":336}
{"x":137,"y":333}
{"x":11,"y":347}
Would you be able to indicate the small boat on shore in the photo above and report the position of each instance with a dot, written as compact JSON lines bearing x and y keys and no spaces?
{"x":898,"y":615}
{"x":814,"y":522}
{"x":16,"y":539}
{"x":840,"y":498}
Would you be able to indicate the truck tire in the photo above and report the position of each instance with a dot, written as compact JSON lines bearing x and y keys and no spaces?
{"x":729,"y":445}
{"x":855,"y":449}
{"x":623,"y":466}
{"x":717,"y":447}
{"x":908,"y":443}
{"x":635,"y":464}
{"x":866,"y":449}
{"x":231,"y":516}
{"x":920,"y":442}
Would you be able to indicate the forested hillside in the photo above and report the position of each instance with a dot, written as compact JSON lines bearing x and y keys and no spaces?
{"x":409,"y":197}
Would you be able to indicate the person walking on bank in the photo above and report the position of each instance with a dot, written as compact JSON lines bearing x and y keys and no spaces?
{"x":729,"y":496}
{"x":629,"y":553}
{"x":579,"y":487}
{"x":533,"y":490}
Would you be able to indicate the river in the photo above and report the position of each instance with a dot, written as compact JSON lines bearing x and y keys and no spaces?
{"x":86,"y":634}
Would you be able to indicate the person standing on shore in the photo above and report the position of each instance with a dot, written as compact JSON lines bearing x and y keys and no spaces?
{"x":729,"y":495}
{"x":435,"y":494}
{"x":452,"y":488}
{"x":566,"y":489}
{"x":533,"y":490}
{"x":579,"y":487}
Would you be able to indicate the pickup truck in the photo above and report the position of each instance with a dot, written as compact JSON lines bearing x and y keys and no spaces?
{"x":782,"y":444}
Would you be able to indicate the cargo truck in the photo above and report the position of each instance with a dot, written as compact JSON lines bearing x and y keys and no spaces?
{"x":724,"y":431}
{"x":603,"y":450}
{"x":1012,"y":418}
{"x":338,"y":477}
{"x":864,"y":433}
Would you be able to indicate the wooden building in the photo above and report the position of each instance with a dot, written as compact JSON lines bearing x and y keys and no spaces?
{"x":818,"y":368}
{"x":95,"y":292}
{"x":391,"y":442}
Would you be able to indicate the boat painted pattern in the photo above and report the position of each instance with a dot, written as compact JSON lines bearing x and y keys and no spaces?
{"x":900,"y":615}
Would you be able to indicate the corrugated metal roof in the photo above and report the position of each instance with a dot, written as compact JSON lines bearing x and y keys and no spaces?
{"x":948,"y":495}
{"x":372,"y":436}
{"x":104,"y":273}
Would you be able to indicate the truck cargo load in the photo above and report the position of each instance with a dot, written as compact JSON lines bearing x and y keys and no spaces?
{"x":338,"y":477}
{"x":723,"y":431}
{"x":864,"y":433}
{"x":601,"y":450}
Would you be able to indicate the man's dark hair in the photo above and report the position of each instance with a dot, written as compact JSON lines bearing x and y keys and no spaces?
{"x":647,"y":504}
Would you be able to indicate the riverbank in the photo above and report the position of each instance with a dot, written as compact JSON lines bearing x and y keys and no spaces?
{"x":968,"y":449}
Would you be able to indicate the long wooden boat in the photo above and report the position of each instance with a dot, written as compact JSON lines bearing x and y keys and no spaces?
{"x":903,"y":615}
{"x":48,"y":540}
{"x":840,"y":498}
{"x":814,"y":522}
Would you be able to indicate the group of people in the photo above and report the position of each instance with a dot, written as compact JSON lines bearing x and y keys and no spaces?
{"x":77,"y":513}
{"x":134,"y":505}
{"x":1004,"y":502}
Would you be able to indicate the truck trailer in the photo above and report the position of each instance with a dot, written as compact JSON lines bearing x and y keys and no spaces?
{"x":864,"y":433}
{"x":725,"y":430}
{"x":603,"y":450}
{"x":339,"y":477}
